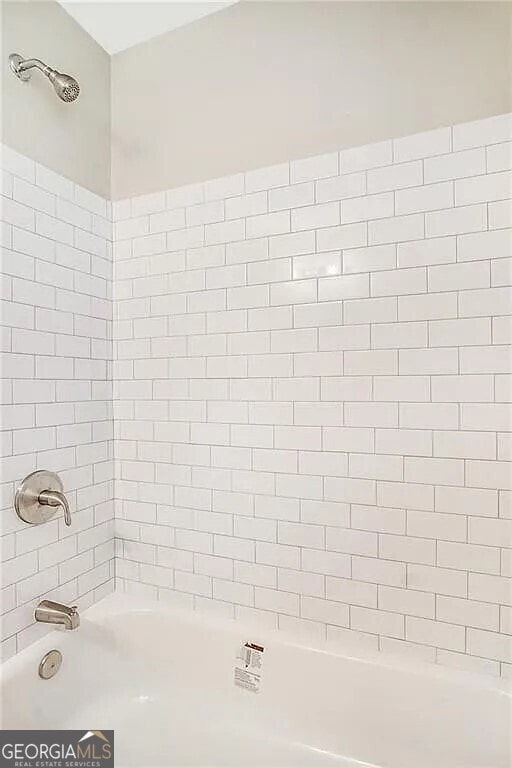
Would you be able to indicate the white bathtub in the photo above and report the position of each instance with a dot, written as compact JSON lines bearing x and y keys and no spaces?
{"x":164,"y":682}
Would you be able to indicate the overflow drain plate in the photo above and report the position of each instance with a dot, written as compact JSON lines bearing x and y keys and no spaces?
{"x":50,"y":664}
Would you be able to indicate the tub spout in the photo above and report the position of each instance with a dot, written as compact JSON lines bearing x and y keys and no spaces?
{"x":49,"y":612}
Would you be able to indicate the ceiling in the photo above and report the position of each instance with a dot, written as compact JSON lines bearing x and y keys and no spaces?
{"x":118,"y":24}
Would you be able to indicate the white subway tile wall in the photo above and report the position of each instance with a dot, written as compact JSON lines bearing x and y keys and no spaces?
{"x":310,"y":394}
{"x":311,"y":388}
{"x":56,"y":411}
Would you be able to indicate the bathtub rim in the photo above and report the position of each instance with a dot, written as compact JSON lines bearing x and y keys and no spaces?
{"x":119,"y":604}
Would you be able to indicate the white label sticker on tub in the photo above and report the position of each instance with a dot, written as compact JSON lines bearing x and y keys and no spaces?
{"x":248,"y":667}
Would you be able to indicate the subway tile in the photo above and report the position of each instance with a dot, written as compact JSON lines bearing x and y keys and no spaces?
{"x":489,"y":645}
{"x":382,"y":310}
{"x":456,"y":221}
{"x":486,"y":474}
{"x":315,"y":216}
{"x":429,"y":415}
{"x":379,"y":206}
{"x":490,"y":531}
{"x":442,"y":581}
{"x":348,"y":439}
{"x":276,"y":600}
{"x":371,"y":259}
{"x":408,"y":549}
{"x":405,"y":495}
{"x":298,"y":486}
{"x":222,"y":232}
{"x":437,"y":633}
{"x":396,"y":229}
{"x":271,"y":271}
{"x":317,"y":265}
{"x":328,"y":563}
{"x":351,"y":542}
{"x":341,"y":187}
{"x":350,"y":490}
{"x":301,"y":582}
{"x":378,"y":519}
{"x":420,"y":145}
{"x":434,"y":471}
{"x":294,"y":244}
{"x":226,"y":186}
{"x":367,"y":156}
{"x":410,"y":442}
{"x":324,"y":513}
{"x":280,"y":555}
{"x":323,"y":390}
{"x":483,"y":189}
{"x":407,"y":601}
{"x":328,"y":611}
{"x":500,"y":215}
{"x":371,"y":415}
{"x":499,"y":157}
{"x":343,"y":388}
{"x":490,"y":130}
{"x":376,"y":467}
{"x":436,"y":526}
{"x":311,"y":168}
{"x":351,"y":591}
{"x":267,"y":224}
{"x":469,"y":557}
{"x":371,"y":362}
{"x":485,"y":302}
{"x":465,"y":445}
{"x":430,"y":197}
{"x":425,"y":253}
{"x":292,"y":196}
{"x":343,"y":287}
{"x":344,"y":236}
{"x":300,"y":534}
{"x":267,"y":178}
{"x":344,"y":337}
{"x":455,"y":165}
{"x":495,"y":244}
{"x":256,"y":574}
{"x":377,"y":622}
{"x":399,"y":281}
{"x":490,"y":589}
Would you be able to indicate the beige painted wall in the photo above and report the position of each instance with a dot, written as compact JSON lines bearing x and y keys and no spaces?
{"x":72,"y":139}
{"x":263,"y":82}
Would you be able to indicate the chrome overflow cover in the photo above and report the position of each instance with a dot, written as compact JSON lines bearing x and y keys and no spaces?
{"x":50,"y":664}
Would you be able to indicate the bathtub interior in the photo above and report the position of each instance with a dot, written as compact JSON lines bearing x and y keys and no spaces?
{"x":164,"y":682}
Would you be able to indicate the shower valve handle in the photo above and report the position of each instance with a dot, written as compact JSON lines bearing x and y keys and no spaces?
{"x":56,"y":499}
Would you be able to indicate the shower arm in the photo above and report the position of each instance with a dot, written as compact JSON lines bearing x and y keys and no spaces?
{"x":31,"y":63}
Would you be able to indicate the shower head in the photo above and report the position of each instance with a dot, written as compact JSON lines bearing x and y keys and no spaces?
{"x":66,"y":87}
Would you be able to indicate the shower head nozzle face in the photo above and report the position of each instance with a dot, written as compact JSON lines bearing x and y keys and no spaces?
{"x":66,"y":87}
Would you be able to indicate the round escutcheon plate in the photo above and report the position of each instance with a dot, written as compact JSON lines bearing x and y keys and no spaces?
{"x":26,"y":499}
{"x":50,"y":664}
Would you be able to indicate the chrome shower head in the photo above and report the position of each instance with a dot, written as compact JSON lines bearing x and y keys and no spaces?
{"x":66,"y":87}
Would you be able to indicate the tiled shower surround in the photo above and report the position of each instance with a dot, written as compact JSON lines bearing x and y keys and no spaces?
{"x":311,"y":385}
{"x":310,"y":395}
{"x":56,"y":411}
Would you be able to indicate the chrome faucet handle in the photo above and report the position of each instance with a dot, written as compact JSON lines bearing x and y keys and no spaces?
{"x":56,"y":499}
{"x":38,"y":496}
